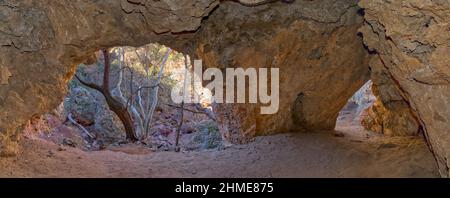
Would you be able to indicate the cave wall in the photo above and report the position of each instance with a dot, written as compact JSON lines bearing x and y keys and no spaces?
{"x":41,"y":42}
{"x":314,"y":43}
{"x":410,"y":41}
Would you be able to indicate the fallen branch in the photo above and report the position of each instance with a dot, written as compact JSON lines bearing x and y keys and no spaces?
{"x":79,"y":125}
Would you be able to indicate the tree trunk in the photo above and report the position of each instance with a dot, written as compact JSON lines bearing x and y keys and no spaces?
{"x":114,"y":105}
{"x":117,"y":93}
{"x":155,"y":93}
{"x":117,"y":107}
{"x":180,"y":124}
{"x":124,"y":117}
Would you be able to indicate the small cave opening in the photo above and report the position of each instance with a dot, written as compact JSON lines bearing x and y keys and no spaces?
{"x":352,"y":116}
{"x":140,"y":80}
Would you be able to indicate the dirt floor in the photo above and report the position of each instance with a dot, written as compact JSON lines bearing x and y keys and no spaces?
{"x":348,"y":152}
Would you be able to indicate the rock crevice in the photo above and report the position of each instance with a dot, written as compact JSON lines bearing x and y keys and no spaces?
{"x":411,"y":40}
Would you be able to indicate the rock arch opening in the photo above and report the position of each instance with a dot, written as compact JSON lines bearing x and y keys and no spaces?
{"x":314,"y":43}
{"x":366,"y":111}
{"x":352,"y":115}
{"x":140,"y":80}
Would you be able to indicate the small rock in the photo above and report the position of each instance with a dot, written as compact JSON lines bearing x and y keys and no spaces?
{"x":69,"y":142}
{"x":50,"y":154}
{"x":339,"y":134}
{"x":102,"y":147}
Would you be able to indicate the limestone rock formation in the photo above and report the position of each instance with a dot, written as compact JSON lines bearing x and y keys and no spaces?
{"x":314,"y":43}
{"x":411,"y":42}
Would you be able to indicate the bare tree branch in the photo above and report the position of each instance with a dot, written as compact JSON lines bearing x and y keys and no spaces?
{"x":138,"y":91}
{"x":79,"y":126}
{"x":90,"y":85}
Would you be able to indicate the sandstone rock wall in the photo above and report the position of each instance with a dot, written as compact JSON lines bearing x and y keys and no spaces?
{"x":314,"y":43}
{"x":390,"y":121}
{"x":48,"y":38}
{"x":411,"y":41}
{"x":42,"y":41}
{"x":390,"y":114}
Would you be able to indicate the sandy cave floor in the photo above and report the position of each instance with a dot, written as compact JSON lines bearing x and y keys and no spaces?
{"x":357,"y":154}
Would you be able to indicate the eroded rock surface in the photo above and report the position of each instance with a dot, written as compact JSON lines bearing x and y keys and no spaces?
{"x":42,"y":41}
{"x":319,"y":38}
{"x":390,"y":114}
{"x":314,"y":43}
{"x":411,"y":42}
